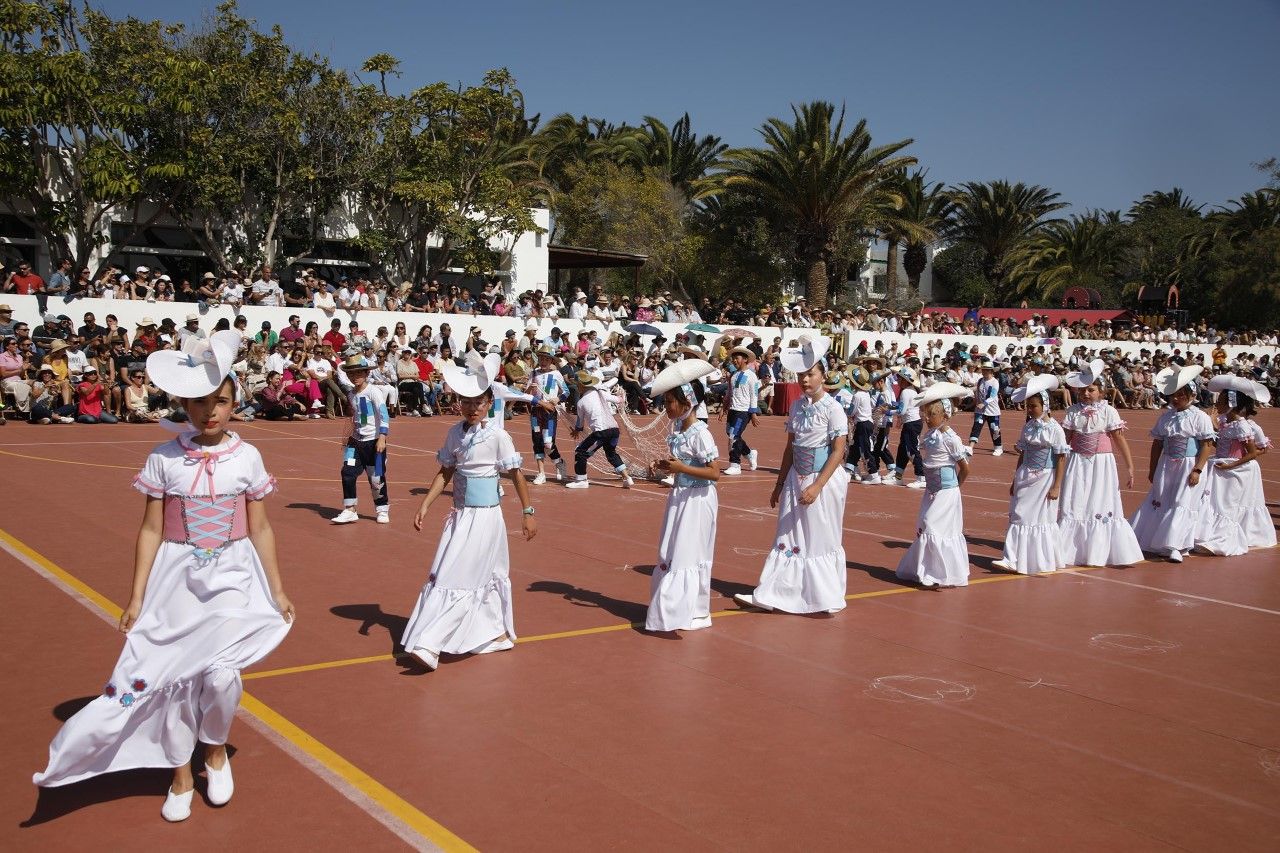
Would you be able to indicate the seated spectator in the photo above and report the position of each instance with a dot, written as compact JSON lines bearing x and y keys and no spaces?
{"x":277,"y":404}
{"x":137,"y":398}
{"x":89,"y":396}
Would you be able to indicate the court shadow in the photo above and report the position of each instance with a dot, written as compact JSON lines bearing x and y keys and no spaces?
{"x":996,"y":544}
{"x":325,"y":512}
{"x":631,"y":611}
{"x":880,"y":573}
{"x":372,"y":616}
{"x":894,"y":543}
{"x":53,"y":803}
{"x":68,"y":709}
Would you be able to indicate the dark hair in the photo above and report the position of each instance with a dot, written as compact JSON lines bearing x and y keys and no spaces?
{"x":699,"y":394}
{"x":1244,"y":407}
{"x":271,"y":374}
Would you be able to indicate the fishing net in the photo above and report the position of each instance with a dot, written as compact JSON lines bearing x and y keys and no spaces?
{"x":642,"y":441}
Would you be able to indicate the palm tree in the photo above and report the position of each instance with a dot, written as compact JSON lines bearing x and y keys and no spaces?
{"x":812,"y":178}
{"x":1173,"y":200}
{"x":922,"y":212}
{"x":997,"y":217}
{"x":1250,"y":214}
{"x":1084,"y":251}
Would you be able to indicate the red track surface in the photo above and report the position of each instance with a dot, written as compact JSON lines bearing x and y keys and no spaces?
{"x":1110,"y":709}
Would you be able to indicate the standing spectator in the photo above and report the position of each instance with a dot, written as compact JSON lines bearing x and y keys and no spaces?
{"x":60,"y":282}
{"x":334,"y":336}
{"x":210,"y":291}
{"x":265,"y":291}
{"x":24,"y":282}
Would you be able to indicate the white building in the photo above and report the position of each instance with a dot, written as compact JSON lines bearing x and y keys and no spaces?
{"x":871,"y":284}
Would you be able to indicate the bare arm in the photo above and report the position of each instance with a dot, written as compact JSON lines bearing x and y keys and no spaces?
{"x":1157,"y":447}
{"x":1059,"y":466}
{"x":442,"y":479}
{"x":144,"y":554}
{"x":1118,"y":441}
{"x":962,"y":471}
{"x":784,"y":468}
{"x":1251,"y":452}
{"x":264,"y":542}
{"x":528,"y":523}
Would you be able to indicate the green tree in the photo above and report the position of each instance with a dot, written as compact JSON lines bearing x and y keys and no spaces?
{"x":813,"y":178}
{"x":998,"y":217}
{"x":913,"y":217}
{"x":1083,"y":251}
{"x":1166,"y":238}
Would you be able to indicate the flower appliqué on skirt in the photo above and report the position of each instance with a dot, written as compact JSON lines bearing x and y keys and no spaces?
{"x":788,"y":552}
{"x":138,"y":685}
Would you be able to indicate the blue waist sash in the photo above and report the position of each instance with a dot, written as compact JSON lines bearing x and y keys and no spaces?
{"x":809,"y":460}
{"x":474,"y":491}
{"x":1037,"y":457}
{"x":941,"y":478}
{"x":1181,"y":446}
{"x":687,"y":481}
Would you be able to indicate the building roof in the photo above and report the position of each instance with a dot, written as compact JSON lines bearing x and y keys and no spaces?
{"x":561,"y":257}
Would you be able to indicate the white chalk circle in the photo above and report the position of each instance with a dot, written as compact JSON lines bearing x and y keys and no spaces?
{"x":918,"y":688}
{"x":1269,"y":760}
{"x":873,"y":514}
{"x":1135,"y":643}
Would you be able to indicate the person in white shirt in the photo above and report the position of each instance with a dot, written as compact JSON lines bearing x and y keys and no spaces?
{"x":908,"y":414}
{"x":323,"y":300}
{"x":277,"y":361}
{"x":742,"y":405}
{"x":595,"y":417}
{"x":860,"y":414}
{"x":445,"y":338}
{"x":366,"y":446}
{"x":266,"y":292}
{"x":578,"y":310}
{"x":986,"y":408}
{"x":233,"y":293}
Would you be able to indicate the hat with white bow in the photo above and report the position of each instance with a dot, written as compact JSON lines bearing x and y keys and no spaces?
{"x":198,"y":368}
{"x":805,"y":354}
{"x":476,"y":377}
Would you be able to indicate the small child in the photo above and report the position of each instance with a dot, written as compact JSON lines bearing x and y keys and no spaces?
{"x":1033,"y":545}
{"x":908,"y":414}
{"x":207,"y":598}
{"x":884,"y":402}
{"x":465,"y":606}
{"x":1165,"y":522}
{"x":986,"y":407}
{"x":1233,"y":502}
{"x":939,"y":556}
{"x":742,"y":403}
{"x":680,"y":592}
{"x":366,"y":449}
{"x":862,"y":416}
{"x":595,"y":415}
{"x":547,"y":385}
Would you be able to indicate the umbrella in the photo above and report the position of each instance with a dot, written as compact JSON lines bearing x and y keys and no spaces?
{"x":741,"y":333}
{"x":702,"y":327}
{"x":643,"y":329}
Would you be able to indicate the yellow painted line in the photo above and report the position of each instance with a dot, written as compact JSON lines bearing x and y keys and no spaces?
{"x":135,"y":467}
{"x":311,"y":667}
{"x":386,"y":799}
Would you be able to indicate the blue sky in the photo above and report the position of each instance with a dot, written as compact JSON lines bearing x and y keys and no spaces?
{"x":1100,"y":101}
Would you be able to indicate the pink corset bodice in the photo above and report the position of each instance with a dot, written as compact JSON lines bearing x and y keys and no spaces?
{"x":1090,"y":443}
{"x":205,"y":522}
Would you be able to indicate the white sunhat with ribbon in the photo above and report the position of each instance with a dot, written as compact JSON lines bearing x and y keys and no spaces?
{"x":1041,"y":384}
{"x":198,"y":368}
{"x":808,"y":352}
{"x":1091,"y":373}
{"x":681,"y":373}
{"x":474,"y":379}
{"x":1169,"y":380}
{"x":1240,"y":385}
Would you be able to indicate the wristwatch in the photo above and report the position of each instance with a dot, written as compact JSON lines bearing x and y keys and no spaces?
{"x":1196,"y":471}
{"x":528,"y":510}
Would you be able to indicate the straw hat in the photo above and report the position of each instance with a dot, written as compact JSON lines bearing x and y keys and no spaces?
{"x":742,"y":351}
{"x":859,"y":377}
{"x":355,"y":362}
{"x":680,"y":373}
{"x":907,"y":375}
{"x":802,"y":358}
{"x":146,"y":321}
{"x":1231,"y":382}
{"x":1035,"y":385}
{"x":834,"y":381}
{"x":56,"y":347}
{"x":1091,"y":373}
{"x":586,"y":379}
{"x":1169,"y":380}
{"x":198,"y":368}
{"x":943,"y":391}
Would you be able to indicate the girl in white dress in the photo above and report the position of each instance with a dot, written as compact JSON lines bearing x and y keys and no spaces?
{"x":680,"y":592}
{"x":805,"y":571}
{"x":465,"y":606}
{"x":1233,"y":502}
{"x":1165,"y":522}
{"x":207,"y":598}
{"x":939,"y":556}
{"x":1091,"y":517}
{"x":1033,"y":545}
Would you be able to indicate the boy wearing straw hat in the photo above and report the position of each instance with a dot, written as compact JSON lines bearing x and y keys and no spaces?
{"x":744,"y":397}
{"x":862,"y":414}
{"x":986,"y":407}
{"x":366,"y":449}
{"x":595,"y":416}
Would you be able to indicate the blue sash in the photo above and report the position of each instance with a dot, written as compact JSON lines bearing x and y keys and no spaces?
{"x":1037,"y":457}
{"x":1181,"y":446}
{"x":474,"y":491}
{"x":688,"y":481}
{"x":941,"y":478}
{"x":809,"y":460}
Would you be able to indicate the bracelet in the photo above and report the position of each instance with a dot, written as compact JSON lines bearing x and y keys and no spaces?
{"x":528,"y":510}
{"x":1196,"y":471}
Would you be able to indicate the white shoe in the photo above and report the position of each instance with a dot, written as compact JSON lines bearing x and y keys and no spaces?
{"x":871,"y":479}
{"x":317,"y":405}
{"x":177,"y":807}
{"x":561,"y":471}
{"x":499,"y":645}
{"x":1175,"y":556}
{"x":427,"y":658}
{"x":999,"y":451}
{"x":63,"y":419}
{"x":891,"y":480}
{"x":540,"y":480}
{"x":627,"y":482}
{"x":577,"y":484}
{"x":347,"y":516}
{"x":918,"y":483}
{"x":313,"y":416}
{"x":384,"y":518}
{"x":754,"y":458}
{"x":502,"y":491}
{"x":733,"y":470}
{"x":746,"y":599}
{"x":669,"y":481}
{"x":1002,"y":565}
{"x":220,"y":783}
{"x":699,"y":623}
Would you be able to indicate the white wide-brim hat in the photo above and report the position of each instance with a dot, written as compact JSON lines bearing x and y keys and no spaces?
{"x":1231,"y":382}
{"x":474,"y":379}
{"x":198,"y":368}
{"x":802,"y":358}
{"x":680,"y":373}
{"x":1035,"y":385}
{"x":943,"y":391}
{"x":1169,"y":380}
{"x":1084,"y":378}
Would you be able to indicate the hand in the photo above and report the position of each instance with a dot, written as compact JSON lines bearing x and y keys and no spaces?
{"x":530,"y":526}
{"x":575,"y":432}
{"x":810,"y":494}
{"x":663,"y":466}
{"x":419,"y":517}
{"x":1225,"y":466}
{"x":755,"y":422}
{"x":381,"y":445}
{"x":1193,"y":478}
{"x":1053,"y":493}
{"x":776,"y":496}
{"x":285,"y":606}
{"x":1128,"y":483}
{"x":1151,"y":476}
{"x":720,"y":414}
{"x":548,"y":405}
{"x":130,"y":615}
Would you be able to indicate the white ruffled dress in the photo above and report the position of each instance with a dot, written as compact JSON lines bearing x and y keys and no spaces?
{"x":466,"y":602}
{"x":1091,"y":516}
{"x":207,"y":613}
{"x":939,"y":556}
{"x":1033,"y":543}
{"x":1233,"y":511}
{"x":680,"y":591}
{"x":1167,"y":518}
{"x":805,"y":571}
